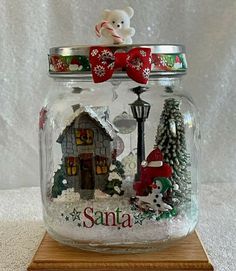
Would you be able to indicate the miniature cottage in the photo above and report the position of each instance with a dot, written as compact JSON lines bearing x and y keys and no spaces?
{"x":87,"y":149}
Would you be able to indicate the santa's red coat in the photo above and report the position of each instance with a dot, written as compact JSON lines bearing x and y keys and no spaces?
{"x":148,"y":174}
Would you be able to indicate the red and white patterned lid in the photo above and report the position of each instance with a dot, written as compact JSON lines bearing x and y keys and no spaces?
{"x":139,"y":62}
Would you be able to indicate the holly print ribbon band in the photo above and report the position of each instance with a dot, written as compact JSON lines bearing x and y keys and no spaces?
{"x":138,"y":63}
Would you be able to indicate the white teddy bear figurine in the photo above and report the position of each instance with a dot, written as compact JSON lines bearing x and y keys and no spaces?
{"x":115,"y":26}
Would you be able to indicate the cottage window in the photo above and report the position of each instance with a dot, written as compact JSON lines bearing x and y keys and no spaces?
{"x":71,"y":166}
{"x":84,"y":136}
{"x":101,"y":165}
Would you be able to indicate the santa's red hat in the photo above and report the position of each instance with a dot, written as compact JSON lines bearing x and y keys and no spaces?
{"x":154,"y":159}
{"x":152,"y":168}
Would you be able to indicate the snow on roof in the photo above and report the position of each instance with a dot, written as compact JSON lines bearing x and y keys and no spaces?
{"x":96,"y":114}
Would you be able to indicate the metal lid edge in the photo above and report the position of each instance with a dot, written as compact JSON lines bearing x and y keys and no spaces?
{"x":84,"y":49}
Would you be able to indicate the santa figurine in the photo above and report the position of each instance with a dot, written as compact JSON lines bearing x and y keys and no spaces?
{"x":151,"y":168}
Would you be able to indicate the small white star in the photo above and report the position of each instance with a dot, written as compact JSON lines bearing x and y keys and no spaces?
{"x":138,"y":219}
{"x":75,"y":215}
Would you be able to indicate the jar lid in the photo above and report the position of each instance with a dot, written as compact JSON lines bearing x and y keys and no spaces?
{"x":77,"y":61}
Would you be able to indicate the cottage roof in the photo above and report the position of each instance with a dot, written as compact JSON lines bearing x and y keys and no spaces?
{"x":95,"y":114}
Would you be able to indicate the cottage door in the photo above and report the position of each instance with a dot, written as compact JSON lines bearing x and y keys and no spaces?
{"x":87,"y":172}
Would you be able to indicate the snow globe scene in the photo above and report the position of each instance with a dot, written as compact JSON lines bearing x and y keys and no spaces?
{"x":118,"y":143}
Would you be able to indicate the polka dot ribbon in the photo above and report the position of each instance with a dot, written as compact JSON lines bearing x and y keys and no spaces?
{"x":136,"y":63}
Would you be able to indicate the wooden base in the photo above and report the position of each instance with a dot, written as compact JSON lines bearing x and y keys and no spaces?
{"x":187,"y":254}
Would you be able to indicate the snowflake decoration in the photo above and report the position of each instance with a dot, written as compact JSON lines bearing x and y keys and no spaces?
{"x":137,"y":64}
{"x":60,"y":64}
{"x":99,"y":70}
{"x":143,"y":53}
{"x":146,"y":73}
{"x":105,"y":55}
{"x":94,"y":52}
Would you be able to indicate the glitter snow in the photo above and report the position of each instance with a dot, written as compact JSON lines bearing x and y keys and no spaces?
{"x":65,"y":215}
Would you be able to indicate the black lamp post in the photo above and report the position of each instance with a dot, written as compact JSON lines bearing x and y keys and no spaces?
{"x":140,"y":110}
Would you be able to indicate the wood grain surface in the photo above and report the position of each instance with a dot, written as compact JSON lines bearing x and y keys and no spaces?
{"x":187,"y":254}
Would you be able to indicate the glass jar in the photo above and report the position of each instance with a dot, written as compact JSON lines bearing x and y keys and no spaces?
{"x":119,"y":157}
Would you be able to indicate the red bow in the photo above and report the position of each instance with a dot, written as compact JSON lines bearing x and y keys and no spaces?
{"x":136,"y":62}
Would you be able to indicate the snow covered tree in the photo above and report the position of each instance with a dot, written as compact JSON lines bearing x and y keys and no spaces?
{"x":59,"y":182}
{"x":115,"y":177}
{"x":170,"y":139}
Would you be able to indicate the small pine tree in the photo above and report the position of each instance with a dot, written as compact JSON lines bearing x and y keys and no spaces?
{"x":120,"y":168}
{"x":115,"y":177}
{"x":58,"y":185}
{"x":170,"y":139}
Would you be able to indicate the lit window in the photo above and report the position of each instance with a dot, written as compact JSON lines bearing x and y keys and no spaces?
{"x":84,"y":136}
{"x":71,"y":166}
{"x":101,"y":165}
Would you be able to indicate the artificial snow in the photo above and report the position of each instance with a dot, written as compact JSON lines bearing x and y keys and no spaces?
{"x":68,"y":195}
{"x":60,"y":220}
{"x":99,"y":194}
